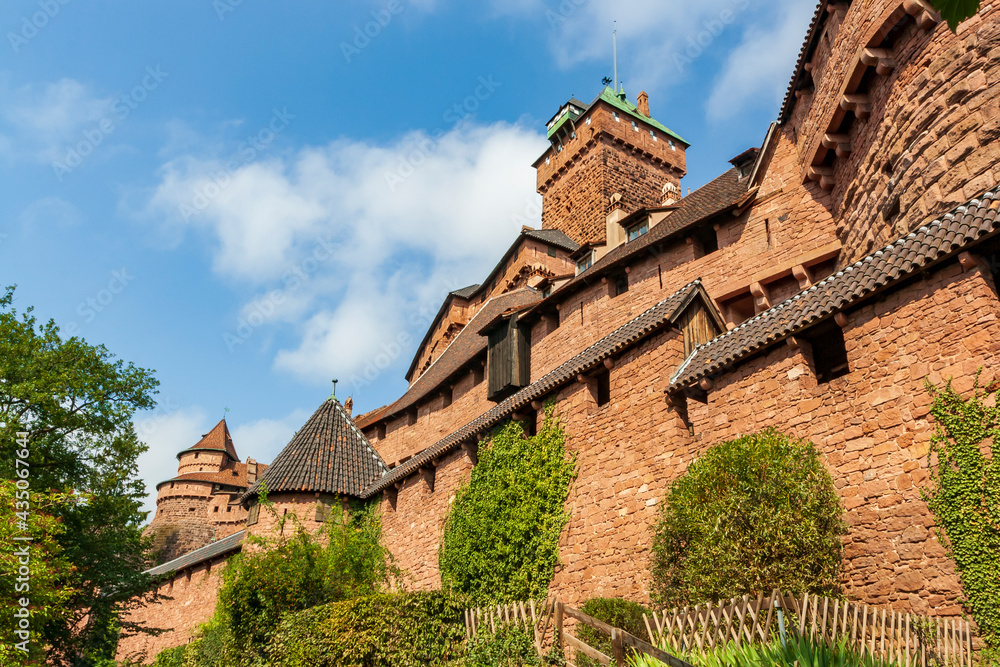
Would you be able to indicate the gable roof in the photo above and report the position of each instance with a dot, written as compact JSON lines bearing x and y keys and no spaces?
{"x":608,"y":95}
{"x":465,"y":347}
{"x":632,"y":332}
{"x":553,"y":237}
{"x":329,"y":454}
{"x":218,"y":439}
{"x":907,"y":256}
{"x":718,"y":195}
{"x":227,"y":544}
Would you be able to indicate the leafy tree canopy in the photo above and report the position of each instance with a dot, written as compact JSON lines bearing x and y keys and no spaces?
{"x":956,"y":11}
{"x":76,"y":403}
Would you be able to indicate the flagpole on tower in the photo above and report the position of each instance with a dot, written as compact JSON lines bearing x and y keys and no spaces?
{"x":614,"y":42}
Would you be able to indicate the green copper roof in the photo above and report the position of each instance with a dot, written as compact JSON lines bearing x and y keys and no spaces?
{"x":609,"y":96}
{"x":566,"y":117}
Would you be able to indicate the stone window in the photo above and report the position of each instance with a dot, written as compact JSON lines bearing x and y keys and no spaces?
{"x":671,"y":143}
{"x":588,"y":120}
{"x":652,"y":135}
{"x":216,"y":508}
{"x":614,"y":114}
{"x":829,"y":353}
{"x":706,"y":241}
{"x":196,"y":454}
{"x":619,"y":284}
{"x":584,"y":263}
{"x":603,"y":388}
{"x":635,"y":126}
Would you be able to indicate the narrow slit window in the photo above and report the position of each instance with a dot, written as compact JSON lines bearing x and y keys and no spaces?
{"x":603,"y":389}
{"x":829,"y":355}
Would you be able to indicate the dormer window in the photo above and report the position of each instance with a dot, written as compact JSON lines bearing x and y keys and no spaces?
{"x":584,"y":263}
{"x":638,"y":229}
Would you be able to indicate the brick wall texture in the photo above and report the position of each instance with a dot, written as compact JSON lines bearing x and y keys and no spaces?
{"x":928,"y":144}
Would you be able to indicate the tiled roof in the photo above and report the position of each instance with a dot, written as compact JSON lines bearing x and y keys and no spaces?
{"x":219,"y":439}
{"x":720,"y":194}
{"x":467,"y":345}
{"x":329,"y":454}
{"x":555,"y":237}
{"x":804,"y":54}
{"x":370,"y":417}
{"x":465,"y":292}
{"x":912,"y":253}
{"x":662,"y":313}
{"x":225,"y":545}
{"x":235,"y":475}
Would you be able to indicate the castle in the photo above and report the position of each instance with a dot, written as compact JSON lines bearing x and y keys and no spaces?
{"x":812,"y":287}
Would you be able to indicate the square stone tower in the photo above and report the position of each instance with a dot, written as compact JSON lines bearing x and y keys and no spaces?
{"x":609,"y":146}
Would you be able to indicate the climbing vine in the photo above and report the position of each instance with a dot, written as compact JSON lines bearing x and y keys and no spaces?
{"x":501,"y":540}
{"x":965,"y":496}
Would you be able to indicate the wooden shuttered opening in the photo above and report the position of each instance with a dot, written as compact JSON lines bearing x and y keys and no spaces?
{"x":254,"y":514}
{"x":697,"y":326}
{"x":507,"y":361}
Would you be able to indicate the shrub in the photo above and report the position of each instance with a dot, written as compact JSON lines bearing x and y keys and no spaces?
{"x":290,"y":573}
{"x":752,"y":514}
{"x":511,"y":646}
{"x":501,"y":540}
{"x":616,"y":612}
{"x":400,"y":629}
{"x":965,"y":497}
{"x":171,"y":657}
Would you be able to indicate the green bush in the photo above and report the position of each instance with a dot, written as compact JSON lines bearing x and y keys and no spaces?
{"x":752,"y":514}
{"x":501,"y":540}
{"x":965,"y":497}
{"x":511,"y":646}
{"x":171,"y":657}
{"x":400,"y":629}
{"x":284,"y":574}
{"x":616,"y":612}
{"x":212,"y":646}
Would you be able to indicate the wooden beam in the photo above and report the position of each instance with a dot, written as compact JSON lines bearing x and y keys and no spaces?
{"x":792,"y":342}
{"x":967,"y":260}
{"x":841,"y":320}
{"x":705,"y":384}
{"x":536,"y":405}
{"x":609,"y":363}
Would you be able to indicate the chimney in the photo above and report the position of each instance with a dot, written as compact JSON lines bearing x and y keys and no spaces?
{"x":251,"y":471}
{"x":349,"y":405}
{"x":643,"y":103}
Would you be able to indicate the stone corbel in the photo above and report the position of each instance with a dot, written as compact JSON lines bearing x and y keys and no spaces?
{"x":391,"y":494}
{"x":803,"y":275}
{"x":471,"y":450}
{"x":427,"y":472}
{"x":880,"y":59}
{"x":841,"y":143}
{"x":761,"y":297}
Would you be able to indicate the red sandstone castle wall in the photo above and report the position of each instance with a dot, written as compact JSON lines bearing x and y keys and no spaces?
{"x":930,"y":143}
{"x":194,"y":594}
{"x":181,"y":523}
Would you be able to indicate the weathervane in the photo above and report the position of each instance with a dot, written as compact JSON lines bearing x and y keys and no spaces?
{"x":334,"y":394}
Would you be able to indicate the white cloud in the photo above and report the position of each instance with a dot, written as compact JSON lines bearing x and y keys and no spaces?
{"x":757,"y":70}
{"x":50,"y":214}
{"x":40,"y":120}
{"x":264,"y":439}
{"x":355,"y":244}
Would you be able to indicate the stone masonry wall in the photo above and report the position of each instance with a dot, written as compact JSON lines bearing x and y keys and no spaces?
{"x":930,"y":142}
{"x":194,"y":593}
{"x":872,"y":425}
{"x":181,"y":523}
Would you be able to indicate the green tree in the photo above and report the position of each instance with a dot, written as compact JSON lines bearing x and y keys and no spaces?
{"x":965,"y":497}
{"x":294,"y":569}
{"x":501,"y":540}
{"x":751,"y":514}
{"x":956,"y":11}
{"x":76,"y":402}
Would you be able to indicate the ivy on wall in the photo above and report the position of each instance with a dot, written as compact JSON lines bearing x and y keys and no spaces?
{"x":964,"y":495}
{"x":501,"y":539}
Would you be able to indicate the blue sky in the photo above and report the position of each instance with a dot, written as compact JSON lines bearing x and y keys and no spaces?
{"x":252,"y":198}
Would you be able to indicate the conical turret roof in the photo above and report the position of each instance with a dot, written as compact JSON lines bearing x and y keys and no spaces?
{"x":329,"y":454}
{"x":217,"y":439}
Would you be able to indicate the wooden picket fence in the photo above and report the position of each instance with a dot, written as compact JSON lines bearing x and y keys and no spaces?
{"x":907,"y":639}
